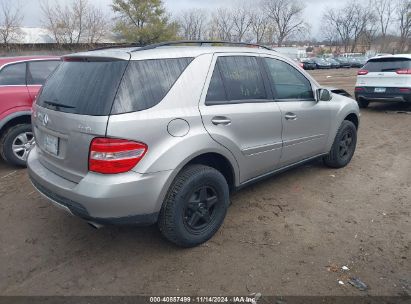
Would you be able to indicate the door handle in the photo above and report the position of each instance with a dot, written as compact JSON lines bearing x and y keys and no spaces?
{"x":290,"y":116}
{"x":219,"y":120}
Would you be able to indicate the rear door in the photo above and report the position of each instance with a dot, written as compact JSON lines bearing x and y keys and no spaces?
{"x":239,"y":113}
{"x":72,"y":109}
{"x":382,"y":73}
{"x":306,"y":122}
{"x":13,"y":89}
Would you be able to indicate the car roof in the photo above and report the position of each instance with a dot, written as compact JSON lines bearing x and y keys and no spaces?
{"x":8,"y":60}
{"x":407,"y":56}
{"x":170,"y":52}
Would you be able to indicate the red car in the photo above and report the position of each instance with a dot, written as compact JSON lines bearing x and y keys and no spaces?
{"x":21,"y":79}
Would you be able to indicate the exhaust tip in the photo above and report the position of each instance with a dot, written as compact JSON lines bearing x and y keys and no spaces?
{"x":95,"y":225}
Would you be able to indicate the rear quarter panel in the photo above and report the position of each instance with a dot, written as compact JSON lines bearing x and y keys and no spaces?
{"x":151,"y":126}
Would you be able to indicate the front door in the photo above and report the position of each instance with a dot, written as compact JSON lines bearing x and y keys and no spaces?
{"x":306,"y":121}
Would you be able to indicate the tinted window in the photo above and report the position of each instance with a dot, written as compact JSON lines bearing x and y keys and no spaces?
{"x":216,"y":92}
{"x":242,"y":77}
{"x":147,"y":82}
{"x":287,"y":82}
{"x":387,"y":64}
{"x":39,"y":71}
{"x":83,"y":87}
{"x":14,"y":74}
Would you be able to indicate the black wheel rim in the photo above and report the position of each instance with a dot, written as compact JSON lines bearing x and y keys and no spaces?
{"x":346,"y":144}
{"x":201,"y":209}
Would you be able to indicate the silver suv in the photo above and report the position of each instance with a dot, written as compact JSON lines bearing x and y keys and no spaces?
{"x":162,"y":134}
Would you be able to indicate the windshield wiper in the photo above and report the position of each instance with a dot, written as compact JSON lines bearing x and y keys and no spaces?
{"x":388,"y":70}
{"x":58,"y":105}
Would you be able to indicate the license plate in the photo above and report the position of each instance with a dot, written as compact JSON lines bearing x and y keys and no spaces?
{"x":380,"y":90}
{"x":51,"y":144}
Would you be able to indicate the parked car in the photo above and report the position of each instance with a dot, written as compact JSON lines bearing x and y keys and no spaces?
{"x":356,"y":62}
{"x":162,"y":134}
{"x":308,"y":64}
{"x":321,"y":63}
{"x":20,"y":81}
{"x":334,"y":63}
{"x":385,"y":78}
{"x":344,"y":62}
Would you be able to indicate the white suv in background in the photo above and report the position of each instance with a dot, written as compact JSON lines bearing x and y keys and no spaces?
{"x":385,"y":78}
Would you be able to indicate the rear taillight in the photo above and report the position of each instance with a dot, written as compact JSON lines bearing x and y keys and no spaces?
{"x":362,"y":72}
{"x":404,"y":72}
{"x":112,"y":156}
{"x":405,"y":90}
{"x":359,"y":89}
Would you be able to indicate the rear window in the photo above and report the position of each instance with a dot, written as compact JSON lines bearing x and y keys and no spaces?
{"x":147,"y":82}
{"x":14,"y":74}
{"x":39,"y":71}
{"x":387,"y":64}
{"x":83,"y":87}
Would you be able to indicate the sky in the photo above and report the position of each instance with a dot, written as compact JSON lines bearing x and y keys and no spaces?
{"x":313,"y":12}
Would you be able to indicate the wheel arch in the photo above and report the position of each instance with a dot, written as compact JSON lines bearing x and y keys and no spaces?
{"x":14,"y":119}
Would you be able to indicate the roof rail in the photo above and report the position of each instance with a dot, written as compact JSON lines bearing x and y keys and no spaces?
{"x":200,"y":43}
{"x":116,"y":46}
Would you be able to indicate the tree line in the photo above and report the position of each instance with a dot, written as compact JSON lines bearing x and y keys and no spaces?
{"x":271,"y":22}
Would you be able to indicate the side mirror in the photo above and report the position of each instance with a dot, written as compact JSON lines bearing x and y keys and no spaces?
{"x":324,"y":95}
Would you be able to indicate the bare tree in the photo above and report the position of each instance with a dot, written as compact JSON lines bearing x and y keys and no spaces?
{"x":287,"y":16}
{"x":349,"y":22}
{"x":222,"y":24}
{"x":259,"y":25}
{"x":75,"y":22}
{"x":97,"y":25}
{"x":193,"y":24}
{"x":10,"y":21}
{"x":403,"y":12}
{"x":241,"y":21}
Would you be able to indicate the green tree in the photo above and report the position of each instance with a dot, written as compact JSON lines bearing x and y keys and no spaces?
{"x":143,"y":21}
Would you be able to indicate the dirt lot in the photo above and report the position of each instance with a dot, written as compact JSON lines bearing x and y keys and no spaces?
{"x":283,"y":236}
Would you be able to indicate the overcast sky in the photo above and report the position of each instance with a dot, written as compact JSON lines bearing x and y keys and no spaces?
{"x":313,"y":11}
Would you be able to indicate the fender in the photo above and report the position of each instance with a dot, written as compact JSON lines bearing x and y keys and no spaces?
{"x":13,"y":115}
{"x":349,"y":106}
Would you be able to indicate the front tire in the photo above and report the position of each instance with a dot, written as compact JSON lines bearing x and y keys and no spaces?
{"x":16,"y":143}
{"x":343,"y":147}
{"x":195,"y":206}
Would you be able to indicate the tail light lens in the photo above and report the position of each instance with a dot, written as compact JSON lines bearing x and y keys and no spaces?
{"x":359,"y":89}
{"x":404,"y":72}
{"x":405,"y":90}
{"x":112,"y":156}
{"x":362,"y":72}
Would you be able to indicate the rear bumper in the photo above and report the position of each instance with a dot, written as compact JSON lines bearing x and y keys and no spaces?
{"x":391,"y":95}
{"x":122,"y":199}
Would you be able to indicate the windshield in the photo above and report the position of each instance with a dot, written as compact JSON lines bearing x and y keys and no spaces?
{"x":83,"y":87}
{"x":387,"y":64}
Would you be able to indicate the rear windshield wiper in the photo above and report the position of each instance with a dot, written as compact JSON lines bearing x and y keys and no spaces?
{"x":58,"y":105}
{"x":388,"y":70}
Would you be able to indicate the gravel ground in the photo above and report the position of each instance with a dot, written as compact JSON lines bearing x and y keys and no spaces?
{"x":288,"y":235}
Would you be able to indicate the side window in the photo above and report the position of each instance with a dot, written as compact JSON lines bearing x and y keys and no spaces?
{"x":14,"y":74}
{"x":287,"y":82}
{"x":216,"y":92}
{"x":39,"y":71}
{"x":242,"y":77}
{"x":147,"y":82}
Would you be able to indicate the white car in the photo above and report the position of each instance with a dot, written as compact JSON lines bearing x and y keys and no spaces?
{"x":385,"y":78}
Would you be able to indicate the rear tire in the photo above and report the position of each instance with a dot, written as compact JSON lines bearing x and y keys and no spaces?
{"x":363,"y":103}
{"x":343,"y":147}
{"x":195,"y":206}
{"x":16,"y":143}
